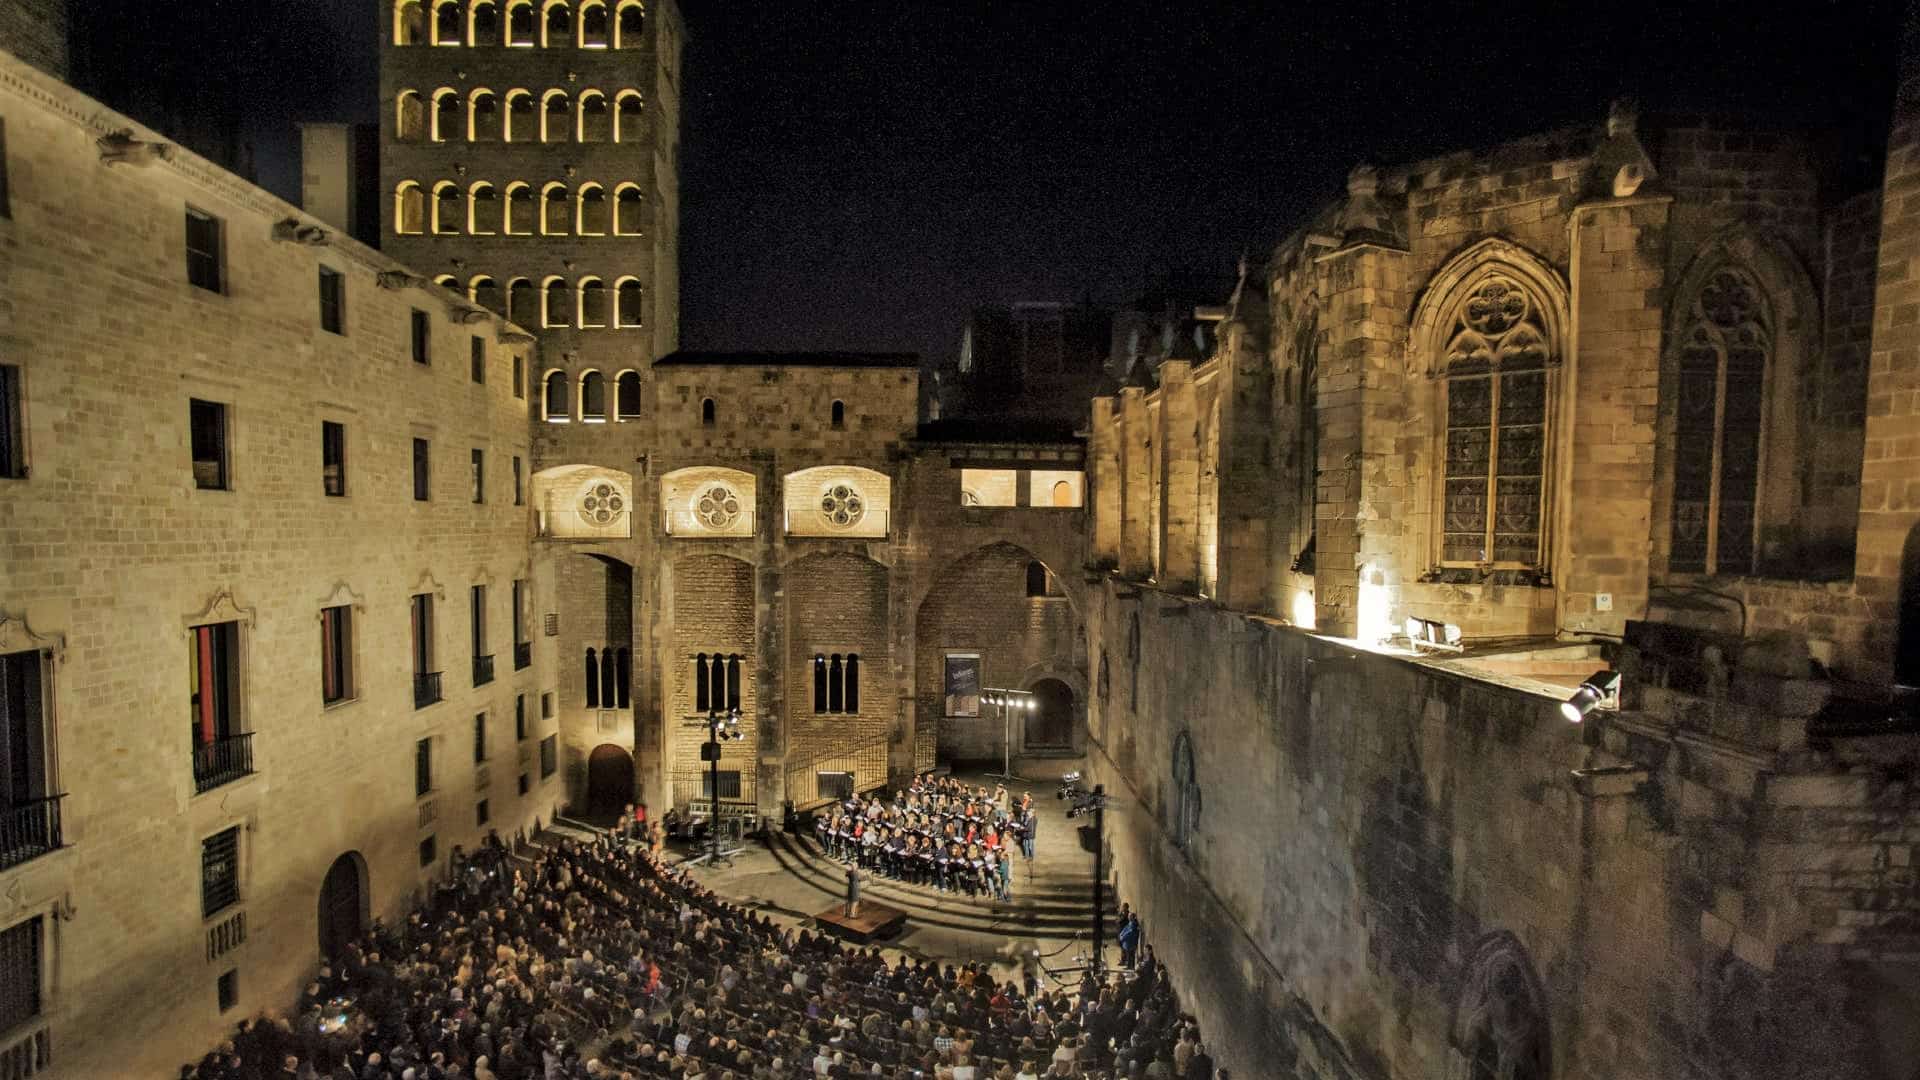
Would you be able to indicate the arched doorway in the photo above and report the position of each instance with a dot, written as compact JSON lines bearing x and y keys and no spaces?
{"x":1050,"y":724}
{"x":343,"y":904}
{"x":609,"y":782}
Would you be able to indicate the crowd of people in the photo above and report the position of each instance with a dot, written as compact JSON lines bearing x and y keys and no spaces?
{"x":937,"y":832}
{"x":598,"y":960}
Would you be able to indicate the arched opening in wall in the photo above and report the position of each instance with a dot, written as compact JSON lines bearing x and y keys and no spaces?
{"x":1501,"y":1027}
{"x":593,"y":678}
{"x":630,"y":25}
{"x":483,"y":116}
{"x":838,"y":419}
{"x":523,"y":304}
{"x":593,"y":397}
{"x":707,"y":412}
{"x":483,"y":210}
{"x":446,"y":114}
{"x":626,"y":116}
{"x":554,"y":307}
{"x":609,"y":678}
{"x":446,"y":208}
{"x":446,"y":23}
{"x":409,"y":116}
{"x":409,"y":22}
{"x":628,"y":309}
{"x":1906,"y":660}
{"x":628,"y":207}
{"x":484,"y":291}
{"x":1050,"y":723}
{"x":554,"y":210}
{"x":449,"y":282}
{"x":556,"y":116}
{"x":596,"y":26}
{"x":520,"y":24}
{"x":483,"y":23}
{"x":626,"y":396}
{"x":1184,"y":798}
{"x":609,"y":783}
{"x":409,"y":209}
{"x":591,"y":210}
{"x":519,"y":209}
{"x":1040,"y":580}
{"x":623,"y":676}
{"x":553,"y":398}
{"x":519,"y":124}
{"x":556,"y":25}
{"x":343,"y":904}
{"x":593,"y":303}
{"x":596,"y":119}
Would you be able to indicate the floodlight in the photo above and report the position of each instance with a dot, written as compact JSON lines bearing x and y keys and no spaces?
{"x":1432,"y":634}
{"x":1602,"y":688}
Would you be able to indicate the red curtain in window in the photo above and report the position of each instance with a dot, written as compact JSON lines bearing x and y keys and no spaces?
{"x":329,"y":683}
{"x":205,"y":689}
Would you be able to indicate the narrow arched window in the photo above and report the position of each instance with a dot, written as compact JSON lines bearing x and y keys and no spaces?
{"x":627,"y":126}
{"x":556,"y":117}
{"x":596,"y":120}
{"x":522,"y":302}
{"x":701,"y":701}
{"x":1723,"y":361}
{"x":595,"y":27}
{"x":608,"y":669}
{"x":409,"y":22}
{"x":483,"y":23}
{"x":554,"y":395}
{"x":483,"y":210}
{"x":592,"y":211}
{"x":409,"y":116}
{"x":733,"y":681}
{"x":484,"y":291}
{"x":717,"y":682}
{"x":623,"y":675}
{"x":630,"y":25}
{"x":409,"y":209}
{"x":1495,"y":387}
{"x":520,"y":123}
{"x":626,"y":397}
{"x":839,"y":415}
{"x":853,"y":682}
{"x":1036,"y":579}
{"x":446,"y":23}
{"x":629,"y":209}
{"x":446,"y":208}
{"x":483,"y":116}
{"x":557,"y":25}
{"x":593,"y":680}
{"x":819,"y":683}
{"x":554,"y":210}
{"x":593,"y":303}
{"x":627,"y":303}
{"x":446,"y":115}
{"x":1906,"y":659}
{"x":553,"y":312}
{"x":520,"y":23}
{"x":836,"y":695}
{"x":519,"y":209}
{"x":593,"y":396}
{"x":706,"y":412}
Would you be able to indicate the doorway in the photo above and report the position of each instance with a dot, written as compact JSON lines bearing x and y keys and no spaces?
{"x":1050,"y":724}
{"x":343,"y":904}
{"x":609,"y":783}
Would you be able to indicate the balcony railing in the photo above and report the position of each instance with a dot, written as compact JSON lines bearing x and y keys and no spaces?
{"x":29,"y":829}
{"x":222,"y":761}
{"x":483,"y":670}
{"x":426,"y":688}
{"x":522,"y":654}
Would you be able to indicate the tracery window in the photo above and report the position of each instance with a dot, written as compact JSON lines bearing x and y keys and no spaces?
{"x":843,"y":506}
{"x":717,"y":507}
{"x":1495,"y":369}
{"x":836,"y":683}
{"x":1501,"y":1026}
{"x":1724,"y":356}
{"x":716,"y":682}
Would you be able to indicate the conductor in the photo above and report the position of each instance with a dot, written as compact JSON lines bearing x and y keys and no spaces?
{"x":854,"y":877}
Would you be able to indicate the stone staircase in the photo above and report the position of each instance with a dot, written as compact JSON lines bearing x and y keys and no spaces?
{"x":1048,"y":903}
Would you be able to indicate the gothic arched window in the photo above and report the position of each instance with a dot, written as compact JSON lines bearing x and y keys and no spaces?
{"x":1495,"y":371}
{"x":1724,"y":350}
{"x":1501,"y":1026}
{"x":1185,"y":801}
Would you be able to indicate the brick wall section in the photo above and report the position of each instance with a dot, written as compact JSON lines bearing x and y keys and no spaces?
{"x":713,"y":611}
{"x":109,"y":546}
{"x":837,"y":603}
{"x":36,"y":31}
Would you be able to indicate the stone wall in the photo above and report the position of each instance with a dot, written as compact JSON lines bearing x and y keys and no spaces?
{"x":36,"y":31}
{"x":111,"y":553}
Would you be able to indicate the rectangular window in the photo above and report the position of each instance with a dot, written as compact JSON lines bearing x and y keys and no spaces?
{"x":520,"y":611}
{"x":13,"y":432}
{"x":209,"y":436}
{"x":214,"y":683}
{"x":422,"y":767}
{"x":1055,"y":488}
{"x":479,"y":737}
{"x":336,"y":654}
{"x":23,"y":759}
{"x":204,"y":266}
{"x":421,"y":471}
{"x":20,"y":973}
{"x":480,"y":813}
{"x":525,"y":783}
{"x":520,"y":718}
{"x":427,"y":852}
{"x":520,"y":377}
{"x":519,"y":495}
{"x":546,"y":705}
{"x":333,"y":458}
{"x":426,"y":681}
{"x":333,"y":301}
{"x":549,"y":755}
{"x":226,"y":989}
{"x":729,"y":784}
{"x":477,"y":609}
{"x":479,"y":476}
{"x":422,"y":338}
{"x":989,"y":487}
{"x":479,"y":359}
{"x":219,"y":872}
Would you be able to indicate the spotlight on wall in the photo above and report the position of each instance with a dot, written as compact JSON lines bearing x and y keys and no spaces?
{"x":1432,"y":634}
{"x":1601,"y":690}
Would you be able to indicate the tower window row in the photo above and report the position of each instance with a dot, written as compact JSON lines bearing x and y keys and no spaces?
{"x":518,"y":115}
{"x":589,"y":303}
{"x":482,"y":209}
{"x":521,"y":24}
{"x":558,"y":401}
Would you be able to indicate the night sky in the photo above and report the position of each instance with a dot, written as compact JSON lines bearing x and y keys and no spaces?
{"x":857,"y":175}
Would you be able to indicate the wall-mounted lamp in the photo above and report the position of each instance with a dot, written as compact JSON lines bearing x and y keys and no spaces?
{"x":1601,"y":690}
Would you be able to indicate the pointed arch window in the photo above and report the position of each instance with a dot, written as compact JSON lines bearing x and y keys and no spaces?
{"x":609,"y":678}
{"x":1495,"y":382}
{"x":1724,"y":355}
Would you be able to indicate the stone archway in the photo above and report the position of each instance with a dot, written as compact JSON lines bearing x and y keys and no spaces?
{"x":609,"y":782}
{"x":1050,"y":725}
{"x":1501,"y":1028}
{"x":343,"y":904}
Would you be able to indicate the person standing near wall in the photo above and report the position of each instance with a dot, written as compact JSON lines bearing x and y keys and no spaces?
{"x":853,"y":891}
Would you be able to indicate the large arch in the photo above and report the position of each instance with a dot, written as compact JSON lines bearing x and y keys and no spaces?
{"x":1501,"y":1023}
{"x":343,"y":904}
{"x":610,"y":785}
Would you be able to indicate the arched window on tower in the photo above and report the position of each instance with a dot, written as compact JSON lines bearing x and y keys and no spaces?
{"x":626,"y":396}
{"x":717,"y":684}
{"x":836,"y":686}
{"x":628,"y":310}
{"x":630,"y":24}
{"x":409,"y":209}
{"x":629,"y":207}
{"x":1037,"y":583}
{"x":852,"y":692}
{"x":733,"y":681}
{"x":593,"y":303}
{"x":409,"y":22}
{"x":623,"y":675}
{"x":409,"y":116}
{"x":839,"y":416}
{"x":591,"y":210}
{"x":627,"y":122}
{"x":446,"y":23}
{"x":596,"y":119}
{"x":484,"y":291}
{"x":446,"y":114}
{"x":556,"y":117}
{"x":483,"y":209}
{"x":609,"y":685}
{"x":483,"y":116}
{"x":593,"y":398}
{"x":555,"y":307}
{"x":554,"y":210}
{"x":521,"y":19}
{"x":819,"y":683}
{"x":523,"y":303}
{"x":521,"y":124}
{"x":519,"y":214}
{"x":483,"y":23}
{"x":595,"y":27}
{"x":556,"y":25}
{"x":593,"y":680}
{"x":702,"y":690}
{"x":1723,"y":358}
{"x":554,"y":404}
{"x":707,"y":412}
{"x":446,"y":208}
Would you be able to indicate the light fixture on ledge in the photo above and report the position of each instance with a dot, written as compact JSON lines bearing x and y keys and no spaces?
{"x":1601,"y":690}
{"x":1432,"y":634}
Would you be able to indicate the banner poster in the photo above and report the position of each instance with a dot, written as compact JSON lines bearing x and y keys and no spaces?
{"x":963,"y":684}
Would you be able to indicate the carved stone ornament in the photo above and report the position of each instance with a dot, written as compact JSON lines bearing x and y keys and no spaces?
{"x":291,"y":231}
{"x":1620,"y":165}
{"x":471,"y":316}
{"x":428,"y":585}
{"x":17,"y":636}
{"x":843,"y":506}
{"x":121,"y":148}
{"x":717,"y":506}
{"x":602,"y":503}
{"x":221,"y":607}
{"x":399,"y":279}
{"x":342,"y":595}
{"x":513,"y":337}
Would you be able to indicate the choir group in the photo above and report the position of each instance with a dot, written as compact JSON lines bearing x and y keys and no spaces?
{"x":936,"y":832}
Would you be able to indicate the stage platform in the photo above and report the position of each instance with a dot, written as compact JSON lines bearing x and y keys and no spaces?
{"x":875,"y":922}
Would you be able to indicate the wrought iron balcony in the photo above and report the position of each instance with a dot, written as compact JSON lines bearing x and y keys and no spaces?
{"x":483,"y":670}
{"x":222,"y":761}
{"x":426,"y":688}
{"x":522,"y":654}
{"x":29,"y":829}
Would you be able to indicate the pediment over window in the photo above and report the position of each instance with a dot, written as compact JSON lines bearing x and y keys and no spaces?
{"x":17,"y":636}
{"x":221,"y":607}
{"x":343,"y":595}
{"x":426,"y":584}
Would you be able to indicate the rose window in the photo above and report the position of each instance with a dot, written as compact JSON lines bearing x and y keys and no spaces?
{"x":717,"y":507}
{"x":842,"y":506}
{"x":1495,"y":307}
{"x":602,"y":504}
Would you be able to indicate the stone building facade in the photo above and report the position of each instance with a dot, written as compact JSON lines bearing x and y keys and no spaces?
{"x":266,"y":582}
{"x":1602,"y":399}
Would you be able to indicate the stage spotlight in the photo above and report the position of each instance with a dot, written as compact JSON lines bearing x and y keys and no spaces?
{"x":1602,"y":689}
{"x":1432,"y":634}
